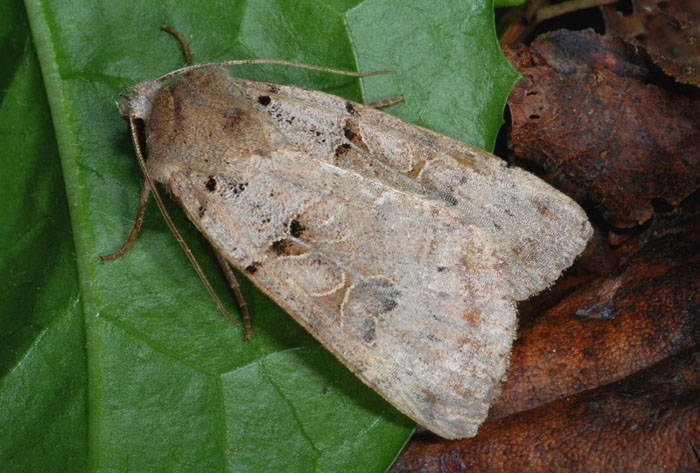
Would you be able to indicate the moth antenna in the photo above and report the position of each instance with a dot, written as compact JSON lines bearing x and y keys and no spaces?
{"x":274,"y":62}
{"x":182,"y":40}
{"x":171,"y":225}
{"x":193,"y":67}
{"x":143,"y":200}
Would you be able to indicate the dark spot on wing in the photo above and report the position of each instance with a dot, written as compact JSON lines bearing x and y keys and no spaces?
{"x":386,"y":294}
{"x":253,"y":268}
{"x":201,"y":211}
{"x":588,"y":352}
{"x":273,"y":89}
{"x":448,"y":198}
{"x":211,"y":184}
{"x":350,"y":108}
{"x":349,"y":133}
{"x":278,"y":246}
{"x":296,"y":228}
{"x":342,"y":149}
{"x":236,"y":189}
{"x":388,"y":304}
{"x":441,"y":269}
{"x":264,"y":100}
{"x":379,"y":295}
{"x":369,"y":331}
{"x":287,"y":248}
{"x":352,"y":133}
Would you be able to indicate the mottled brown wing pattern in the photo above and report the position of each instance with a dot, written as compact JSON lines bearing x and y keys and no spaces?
{"x":537,"y":230}
{"x":402,"y":292}
{"x":399,"y":249}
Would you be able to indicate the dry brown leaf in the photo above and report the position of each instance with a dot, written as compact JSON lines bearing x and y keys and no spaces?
{"x":668,"y":31}
{"x":610,"y":328}
{"x":646,"y":423}
{"x":585,"y":109}
{"x":654,"y":297}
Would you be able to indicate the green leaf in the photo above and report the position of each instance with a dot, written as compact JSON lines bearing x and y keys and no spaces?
{"x":507,"y":3}
{"x":43,"y":378}
{"x":128,"y":365}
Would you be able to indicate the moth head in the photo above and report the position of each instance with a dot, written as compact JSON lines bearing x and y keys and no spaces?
{"x":137,"y":104}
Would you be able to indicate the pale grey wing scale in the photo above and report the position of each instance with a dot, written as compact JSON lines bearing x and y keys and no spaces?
{"x":537,"y":230}
{"x":404,"y":293}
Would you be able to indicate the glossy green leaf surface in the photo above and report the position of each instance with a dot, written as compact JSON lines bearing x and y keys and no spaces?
{"x":128,"y":365}
{"x":507,"y":3}
{"x":43,"y":378}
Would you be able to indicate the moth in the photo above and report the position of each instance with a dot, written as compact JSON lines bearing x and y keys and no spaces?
{"x":401,"y":250}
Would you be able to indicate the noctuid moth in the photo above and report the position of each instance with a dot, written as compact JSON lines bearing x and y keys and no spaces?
{"x":401,"y":250}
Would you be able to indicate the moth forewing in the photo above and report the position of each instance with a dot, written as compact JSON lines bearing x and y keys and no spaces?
{"x":537,"y":230}
{"x":365,"y":229}
{"x":423,"y":317}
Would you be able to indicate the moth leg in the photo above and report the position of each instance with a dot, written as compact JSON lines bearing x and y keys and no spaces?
{"x":385,"y":103}
{"x":237,"y":294}
{"x":161,"y":206}
{"x":143,"y":199}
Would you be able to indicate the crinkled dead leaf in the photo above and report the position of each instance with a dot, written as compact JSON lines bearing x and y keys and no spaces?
{"x":646,"y":423}
{"x":610,"y":328}
{"x":668,"y":31}
{"x":585,"y":108}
